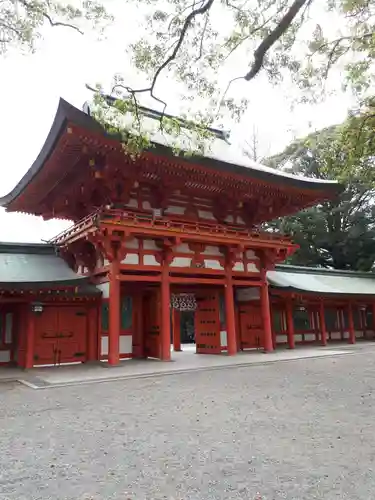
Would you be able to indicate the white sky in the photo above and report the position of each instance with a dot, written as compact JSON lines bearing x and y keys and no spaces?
{"x":31,"y":86}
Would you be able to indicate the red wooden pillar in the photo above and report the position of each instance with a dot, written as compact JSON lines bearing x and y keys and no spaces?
{"x":114,"y":315}
{"x":92,"y":332}
{"x":266,"y":316}
{"x":176,"y":315}
{"x":340,"y":325}
{"x":322,"y":321}
{"x":351,"y":324}
{"x":30,"y":340}
{"x":373,"y":317}
{"x":360,"y":318}
{"x":364,"y":321}
{"x":230,"y":318}
{"x":290,"y":323}
{"x":272,"y":328}
{"x":138,"y":334}
{"x":165,"y":313}
{"x":238,"y":331}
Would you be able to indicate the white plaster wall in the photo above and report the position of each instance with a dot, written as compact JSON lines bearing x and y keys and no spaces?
{"x":281,"y":339}
{"x":223,"y":338}
{"x":181,"y":262}
{"x":106,"y":262}
{"x":133,"y":243}
{"x":336,"y":335}
{"x":250,"y":254}
{"x":4,"y":356}
{"x":298,"y":338}
{"x":104,"y":346}
{"x":104,"y":288}
{"x":238,"y":266}
{"x":284,"y":321}
{"x":146,"y":205}
{"x":183,"y":248}
{"x":212,"y":264}
{"x":175,"y":210}
{"x":149,"y":260}
{"x":229,"y":218}
{"x":309,"y":337}
{"x":131,"y":258}
{"x":252,"y":268}
{"x":133,"y":203}
{"x":126,"y":344}
{"x":346,"y":335}
{"x":212,"y":250}
{"x":204,"y":214}
{"x":150,"y":245}
{"x":359,"y":334}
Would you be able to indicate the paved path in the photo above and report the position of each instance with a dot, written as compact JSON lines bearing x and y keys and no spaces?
{"x":185,"y":361}
{"x":298,"y":430}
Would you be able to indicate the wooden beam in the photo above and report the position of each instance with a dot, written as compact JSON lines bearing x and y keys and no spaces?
{"x":139,"y":277}
{"x":201,"y":281}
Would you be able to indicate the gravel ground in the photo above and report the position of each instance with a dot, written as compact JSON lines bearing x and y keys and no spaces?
{"x":295,"y":430}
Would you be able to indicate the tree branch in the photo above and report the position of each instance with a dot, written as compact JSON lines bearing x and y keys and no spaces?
{"x":252,"y":33}
{"x":202,"y":37}
{"x":59,"y":23}
{"x":188,"y":21}
{"x":30,"y":7}
{"x":272,"y":38}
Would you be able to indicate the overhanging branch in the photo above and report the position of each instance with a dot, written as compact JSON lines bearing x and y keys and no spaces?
{"x":188,"y":21}
{"x":31,"y":7}
{"x":272,"y":38}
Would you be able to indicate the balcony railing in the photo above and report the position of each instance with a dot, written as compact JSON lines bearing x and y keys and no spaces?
{"x":140,"y":223}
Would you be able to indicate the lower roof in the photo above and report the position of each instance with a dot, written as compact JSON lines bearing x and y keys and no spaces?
{"x":321,"y":281}
{"x":24,"y":266}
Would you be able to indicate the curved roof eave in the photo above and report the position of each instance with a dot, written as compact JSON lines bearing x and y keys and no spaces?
{"x":66,"y":113}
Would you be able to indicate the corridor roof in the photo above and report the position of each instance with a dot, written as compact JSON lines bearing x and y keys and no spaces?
{"x":322,"y":281}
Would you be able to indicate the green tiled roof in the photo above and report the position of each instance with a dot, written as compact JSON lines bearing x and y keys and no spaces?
{"x":34,"y":265}
{"x":322,"y":281}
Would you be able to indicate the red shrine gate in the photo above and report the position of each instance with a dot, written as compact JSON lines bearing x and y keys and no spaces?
{"x":155,"y":222}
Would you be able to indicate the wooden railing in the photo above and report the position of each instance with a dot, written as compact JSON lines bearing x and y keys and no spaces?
{"x":168,"y":224}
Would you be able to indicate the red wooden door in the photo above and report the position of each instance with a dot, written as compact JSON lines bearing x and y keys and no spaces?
{"x":72,"y":334}
{"x":46,"y":333}
{"x":60,"y":335}
{"x":251,"y":325}
{"x":207,"y":323}
{"x":152,"y":324}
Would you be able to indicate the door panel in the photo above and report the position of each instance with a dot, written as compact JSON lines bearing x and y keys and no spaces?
{"x":152,"y":324}
{"x":60,"y":335}
{"x":46,"y":332}
{"x":207,"y":323}
{"x":251,"y":326}
{"x":72,"y":334}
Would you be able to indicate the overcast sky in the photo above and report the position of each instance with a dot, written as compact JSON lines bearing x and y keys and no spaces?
{"x":31,"y":85}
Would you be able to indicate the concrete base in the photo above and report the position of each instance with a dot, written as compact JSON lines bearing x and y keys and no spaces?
{"x":185,"y":362}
